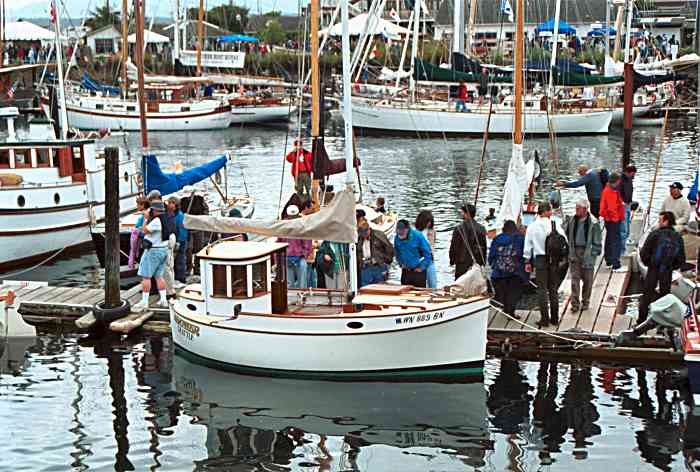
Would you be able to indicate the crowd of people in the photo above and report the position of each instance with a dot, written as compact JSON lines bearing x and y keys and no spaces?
{"x":25,"y":53}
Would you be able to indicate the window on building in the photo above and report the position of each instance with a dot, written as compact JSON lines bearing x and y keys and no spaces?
{"x":259,"y":278}
{"x":104,"y":46}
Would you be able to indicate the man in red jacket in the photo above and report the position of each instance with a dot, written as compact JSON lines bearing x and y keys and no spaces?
{"x":302,"y":168}
{"x":612,"y":212}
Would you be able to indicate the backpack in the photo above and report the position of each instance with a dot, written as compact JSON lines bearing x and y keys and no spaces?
{"x":604,"y":176}
{"x":506,"y":258}
{"x":556,"y":248}
{"x":167,"y":227}
{"x":667,"y":249}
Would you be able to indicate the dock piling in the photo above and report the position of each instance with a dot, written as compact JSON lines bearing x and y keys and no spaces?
{"x":112,"y":292}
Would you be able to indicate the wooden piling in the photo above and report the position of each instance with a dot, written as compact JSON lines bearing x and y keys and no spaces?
{"x":112,"y":292}
{"x":628,"y":102}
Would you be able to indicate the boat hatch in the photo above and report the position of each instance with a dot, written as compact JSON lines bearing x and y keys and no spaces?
{"x":247,"y":276}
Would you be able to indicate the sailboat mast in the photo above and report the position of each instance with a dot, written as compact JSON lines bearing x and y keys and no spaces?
{"x":2,"y":32}
{"x":176,"y":32}
{"x":125,"y":46}
{"x":470,"y":30}
{"x":347,"y":112}
{"x":518,"y":77}
{"x":315,"y":100}
{"x":63,"y":115}
{"x":553,"y":61}
{"x":414,"y":49}
{"x":628,"y":91}
{"x":458,"y":27}
{"x":139,"y":9}
{"x":200,"y":36}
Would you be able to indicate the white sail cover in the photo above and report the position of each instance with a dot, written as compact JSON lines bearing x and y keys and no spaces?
{"x":517,"y":182}
{"x":335,"y":222}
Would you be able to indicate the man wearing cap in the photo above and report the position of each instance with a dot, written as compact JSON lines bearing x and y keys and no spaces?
{"x":176,"y":220}
{"x":678,"y":205}
{"x":468,"y":245}
{"x":302,"y":168}
{"x":413,"y":254}
{"x":153,"y":260}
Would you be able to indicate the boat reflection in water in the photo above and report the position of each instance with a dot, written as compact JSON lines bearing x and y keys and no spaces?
{"x":279,"y":421}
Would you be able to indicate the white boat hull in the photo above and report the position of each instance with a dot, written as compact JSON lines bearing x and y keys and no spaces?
{"x":451,"y":338}
{"x":618,"y":116}
{"x":398,"y":119}
{"x":261,"y":114}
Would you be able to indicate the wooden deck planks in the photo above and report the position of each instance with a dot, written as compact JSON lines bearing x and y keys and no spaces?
{"x":587,"y":320}
{"x":606,"y":315}
{"x":68,"y":295}
{"x":42,"y":295}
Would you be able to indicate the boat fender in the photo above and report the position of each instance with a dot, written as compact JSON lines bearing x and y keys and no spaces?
{"x":107,"y":315}
{"x":506,"y":347}
{"x":236,"y":311}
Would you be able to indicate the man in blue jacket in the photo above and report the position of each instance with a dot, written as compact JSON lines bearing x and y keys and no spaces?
{"x":177,"y":221}
{"x":508,"y":267}
{"x":413,"y":254}
{"x":594,"y":186}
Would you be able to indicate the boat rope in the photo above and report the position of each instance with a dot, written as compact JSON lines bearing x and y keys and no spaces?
{"x":656,"y":170}
{"x":577,"y":343}
{"x":482,"y":161}
{"x":23,"y":271}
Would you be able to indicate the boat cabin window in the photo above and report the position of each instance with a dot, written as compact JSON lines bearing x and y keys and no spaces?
{"x":4,"y":159}
{"x":151,"y":95}
{"x":43,"y":157}
{"x":23,"y":158}
{"x":78,"y":160}
{"x":260,"y":278}
{"x":229,"y":281}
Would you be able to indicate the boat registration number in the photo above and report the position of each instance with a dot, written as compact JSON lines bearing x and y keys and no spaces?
{"x":185,"y":329}
{"x":422,"y":318}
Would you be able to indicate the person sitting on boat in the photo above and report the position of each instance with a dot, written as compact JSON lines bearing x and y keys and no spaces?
{"x":235,"y":213}
{"x":298,"y":250}
{"x":374,"y":254}
{"x":413,"y":254}
{"x":154,"y":258}
{"x":380,"y":206}
{"x":663,"y":252}
{"x":302,"y":169}
{"x":468,"y":245}
{"x":678,"y":205}
{"x":585,"y":245}
{"x":177,"y":219}
{"x":460,"y":104}
{"x":594,"y":186}
{"x":507,"y":263}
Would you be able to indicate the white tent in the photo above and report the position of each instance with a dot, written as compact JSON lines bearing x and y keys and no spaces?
{"x":150,"y":37}
{"x":26,"y":31}
{"x":376,"y":26}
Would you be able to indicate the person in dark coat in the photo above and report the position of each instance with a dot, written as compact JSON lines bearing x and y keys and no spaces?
{"x":662,"y":253}
{"x":374,"y":254}
{"x":508,"y":267}
{"x":468,"y":242}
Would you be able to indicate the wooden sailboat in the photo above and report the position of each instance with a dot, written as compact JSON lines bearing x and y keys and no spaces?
{"x":242,"y":316}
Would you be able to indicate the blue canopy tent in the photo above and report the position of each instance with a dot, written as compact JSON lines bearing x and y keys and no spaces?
{"x":548,"y":26}
{"x":237,"y":38}
{"x":600,"y":32}
{"x":156,"y":179}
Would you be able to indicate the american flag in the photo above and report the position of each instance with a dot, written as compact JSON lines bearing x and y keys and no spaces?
{"x":53,"y":11}
{"x":11,"y":90}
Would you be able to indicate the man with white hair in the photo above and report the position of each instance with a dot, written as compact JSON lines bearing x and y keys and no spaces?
{"x":585,"y":245}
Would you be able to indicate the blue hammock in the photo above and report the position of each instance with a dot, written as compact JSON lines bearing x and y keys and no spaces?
{"x":155,"y":179}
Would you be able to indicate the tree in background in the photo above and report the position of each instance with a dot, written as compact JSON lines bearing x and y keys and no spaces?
{"x":102,"y":16}
{"x":273,"y":33}
{"x":230,"y":17}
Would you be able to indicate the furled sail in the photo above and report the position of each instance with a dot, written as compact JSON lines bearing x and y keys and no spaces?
{"x":166,"y":183}
{"x":335,"y":222}
{"x":517,"y":183}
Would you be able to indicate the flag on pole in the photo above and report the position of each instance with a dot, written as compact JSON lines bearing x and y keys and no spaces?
{"x":394,"y":15}
{"x":53,"y":11}
{"x":375,"y":52}
{"x":11,"y":90}
{"x":507,"y":9}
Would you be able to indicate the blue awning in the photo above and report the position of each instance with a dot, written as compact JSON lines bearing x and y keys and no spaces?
{"x":564,"y":27}
{"x":237,"y":38}
{"x":600,"y":32}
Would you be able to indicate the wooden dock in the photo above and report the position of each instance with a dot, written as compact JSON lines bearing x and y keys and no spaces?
{"x":588,"y":334}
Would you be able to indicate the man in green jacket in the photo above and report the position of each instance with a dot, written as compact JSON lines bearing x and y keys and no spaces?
{"x":584,"y":236}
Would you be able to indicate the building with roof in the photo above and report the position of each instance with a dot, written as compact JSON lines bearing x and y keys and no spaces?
{"x":105,"y":40}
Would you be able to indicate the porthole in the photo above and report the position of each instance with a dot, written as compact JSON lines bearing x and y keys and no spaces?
{"x":20,"y":201}
{"x":56,"y":198}
{"x":191,"y":307}
{"x":126,"y":176}
{"x":355,"y":325}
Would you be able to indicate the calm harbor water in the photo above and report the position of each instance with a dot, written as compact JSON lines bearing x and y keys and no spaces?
{"x":133,"y":405}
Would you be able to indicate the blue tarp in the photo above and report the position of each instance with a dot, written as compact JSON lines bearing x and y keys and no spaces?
{"x":237,"y":38}
{"x":156,"y":179}
{"x":564,"y":27}
{"x":93,"y":86}
{"x":600,"y":32}
{"x":693,"y":193}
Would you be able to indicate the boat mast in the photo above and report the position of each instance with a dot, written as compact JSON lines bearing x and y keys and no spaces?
{"x":2,"y":32}
{"x":315,"y":100}
{"x":607,"y":28}
{"x":470,"y":31}
{"x":347,"y":112}
{"x":458,"y":27}
{"x":63,"y":115}
{"x":176,"y":32}
{"x":518,"y":78}
{"x":200,"y":36}
{"x":125,"y":46}
{"x":414,"y":49}
{"x":553,"y":61}
{"x":628,"y":90}
{"x":139,"y":10}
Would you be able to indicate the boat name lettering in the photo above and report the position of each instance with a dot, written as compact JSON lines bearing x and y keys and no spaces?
{"x":188,"y":330}
{"x":422,"y":318}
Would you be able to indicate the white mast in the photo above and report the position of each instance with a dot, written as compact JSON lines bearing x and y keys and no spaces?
{"x":553,"y":62}
{"x":628,"y":29}
{"x":347,"y":112}
{"x":176,"y":31}
{"x":62,"y":114}
{"x":414,"y":49}
{"x":458,"y":27}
